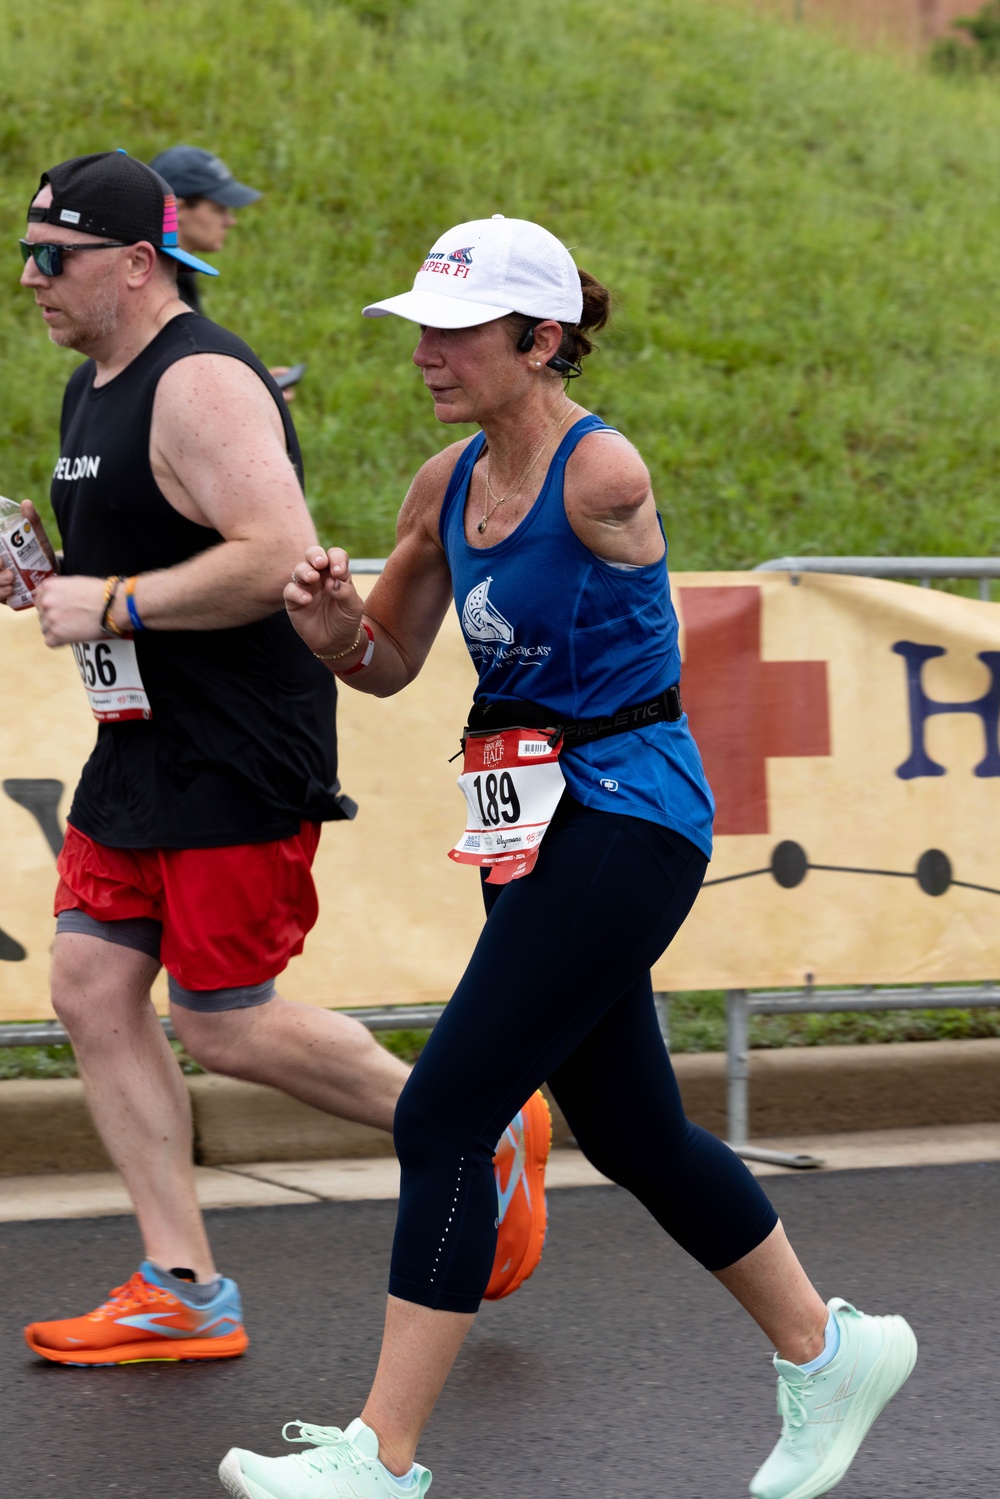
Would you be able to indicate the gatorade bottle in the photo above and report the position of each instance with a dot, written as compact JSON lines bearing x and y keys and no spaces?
{"x":21,"y":551}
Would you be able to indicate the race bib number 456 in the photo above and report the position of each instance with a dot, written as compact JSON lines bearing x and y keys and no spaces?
{"x":512,"y":782}
{"x":109,"y":672}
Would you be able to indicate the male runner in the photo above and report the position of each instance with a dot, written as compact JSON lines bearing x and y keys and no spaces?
{"x":192,"y":831}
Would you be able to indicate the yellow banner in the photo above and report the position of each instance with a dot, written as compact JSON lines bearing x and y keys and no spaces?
{"x":849,"y":728}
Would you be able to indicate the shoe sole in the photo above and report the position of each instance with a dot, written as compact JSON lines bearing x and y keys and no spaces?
{"x":537,"y":1143}
{"x":231,"y":1477}
{"x":897,"y":1358}
{"x":153,"y":1351}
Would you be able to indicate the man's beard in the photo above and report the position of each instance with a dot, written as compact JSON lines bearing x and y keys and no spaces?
{"x":94,"y":326}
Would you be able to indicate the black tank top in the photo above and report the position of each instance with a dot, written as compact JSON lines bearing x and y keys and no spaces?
{"x":241,"y":746}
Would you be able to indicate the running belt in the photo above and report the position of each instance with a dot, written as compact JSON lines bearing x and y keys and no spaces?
{"x":485,"y":717}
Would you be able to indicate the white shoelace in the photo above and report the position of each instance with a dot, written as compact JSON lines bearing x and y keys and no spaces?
{"x":331,"y":1448}
{"x":791,"y":1407}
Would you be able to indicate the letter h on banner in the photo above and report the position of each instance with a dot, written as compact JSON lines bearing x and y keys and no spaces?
{"x":923,"y":707}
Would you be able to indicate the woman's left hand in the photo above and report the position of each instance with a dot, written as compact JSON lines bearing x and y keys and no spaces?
{"x":322,"y":602}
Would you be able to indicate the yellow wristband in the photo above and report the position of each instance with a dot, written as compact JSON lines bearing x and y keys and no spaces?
{"x":108,"y":624}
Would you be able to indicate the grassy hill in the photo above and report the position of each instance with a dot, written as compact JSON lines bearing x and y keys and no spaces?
{"x":801,"y":239}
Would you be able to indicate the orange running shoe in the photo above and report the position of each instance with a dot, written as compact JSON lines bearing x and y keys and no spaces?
{"x":142,"y":1321}
{"x":519,"y":1163}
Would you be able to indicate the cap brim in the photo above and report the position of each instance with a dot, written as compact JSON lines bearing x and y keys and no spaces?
{"x":431,"y":310}
{"x":233,"y":195}
{"x":190,"y":261}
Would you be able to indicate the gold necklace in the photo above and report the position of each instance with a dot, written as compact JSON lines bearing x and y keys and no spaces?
{"x":498,"y":499}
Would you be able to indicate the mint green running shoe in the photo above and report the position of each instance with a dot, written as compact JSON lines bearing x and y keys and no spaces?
{"x":825,"y":1416}
{"x":339,"y":1465}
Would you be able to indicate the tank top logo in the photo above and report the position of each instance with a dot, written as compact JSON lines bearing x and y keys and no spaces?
{"x":76,"y":468}
{"x":480,"y":620}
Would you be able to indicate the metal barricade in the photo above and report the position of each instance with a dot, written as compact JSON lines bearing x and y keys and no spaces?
{"x":378,"y":1018}
{"x":925,"y":569}
{"x":740,"y":1005}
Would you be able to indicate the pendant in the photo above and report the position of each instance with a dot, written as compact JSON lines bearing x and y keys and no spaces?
{"x":482,"y":526}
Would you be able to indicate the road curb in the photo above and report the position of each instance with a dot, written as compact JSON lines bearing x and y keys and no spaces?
{"x":45,"y":1126}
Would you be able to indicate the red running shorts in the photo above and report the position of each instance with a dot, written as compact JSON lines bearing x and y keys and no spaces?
{"x":231,"y":916}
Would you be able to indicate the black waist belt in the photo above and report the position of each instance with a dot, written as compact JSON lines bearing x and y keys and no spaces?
{"x":665,"y":708}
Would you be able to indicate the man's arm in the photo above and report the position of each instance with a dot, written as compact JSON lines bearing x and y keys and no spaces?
{"x":217,"y":450}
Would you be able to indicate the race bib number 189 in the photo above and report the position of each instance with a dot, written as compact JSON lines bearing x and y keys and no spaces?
{"x":512,"y":782}
{"x":109,"y":672}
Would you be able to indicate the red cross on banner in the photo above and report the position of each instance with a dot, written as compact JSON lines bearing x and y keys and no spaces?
{"x":745,"y":711}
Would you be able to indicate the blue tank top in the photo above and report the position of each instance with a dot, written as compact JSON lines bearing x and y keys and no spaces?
{"x":547,"y":621}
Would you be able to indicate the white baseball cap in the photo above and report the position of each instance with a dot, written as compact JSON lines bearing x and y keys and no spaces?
{"x":484,"y":270}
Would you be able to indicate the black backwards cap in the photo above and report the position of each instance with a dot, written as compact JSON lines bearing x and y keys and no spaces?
{"x":116,"y":196}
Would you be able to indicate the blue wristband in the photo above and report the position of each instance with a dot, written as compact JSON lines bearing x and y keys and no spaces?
{"x":133,"y":611}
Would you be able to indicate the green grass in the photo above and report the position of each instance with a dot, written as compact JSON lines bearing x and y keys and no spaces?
{"x":59,"y":1061}
{"x":800,"y":239}
{"x":698,"y":1023}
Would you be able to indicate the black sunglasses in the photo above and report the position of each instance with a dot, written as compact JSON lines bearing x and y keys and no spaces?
{"x":49,"y":258}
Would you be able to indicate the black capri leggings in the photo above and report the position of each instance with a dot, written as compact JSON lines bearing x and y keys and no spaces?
{"x":558,"y":989}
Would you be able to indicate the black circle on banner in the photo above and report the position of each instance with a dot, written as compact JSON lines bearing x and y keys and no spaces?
{"x":789,"y":864}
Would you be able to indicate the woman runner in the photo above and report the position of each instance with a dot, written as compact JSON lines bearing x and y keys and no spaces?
{"x":544,"y":531}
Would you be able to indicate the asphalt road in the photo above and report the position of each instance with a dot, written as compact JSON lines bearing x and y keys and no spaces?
{"x":621,"y":1369}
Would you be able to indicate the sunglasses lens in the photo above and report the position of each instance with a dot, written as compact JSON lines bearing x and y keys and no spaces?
{"x":46,"y":257}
